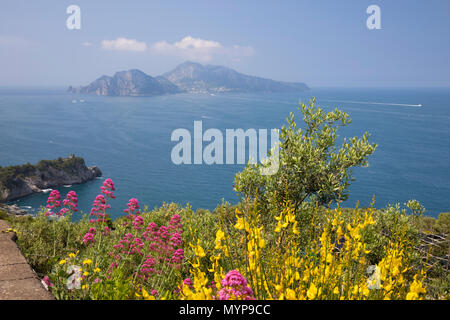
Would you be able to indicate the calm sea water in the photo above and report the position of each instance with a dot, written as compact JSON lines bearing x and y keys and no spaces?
{"x":129,"y":139}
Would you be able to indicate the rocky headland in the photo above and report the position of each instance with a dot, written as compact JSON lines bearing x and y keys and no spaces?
{"x":20,"y":181}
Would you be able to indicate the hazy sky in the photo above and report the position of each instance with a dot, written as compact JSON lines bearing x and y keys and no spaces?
{"x":320,"y":42}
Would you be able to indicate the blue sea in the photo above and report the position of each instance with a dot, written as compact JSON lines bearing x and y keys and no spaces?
{"x":129,"y":138}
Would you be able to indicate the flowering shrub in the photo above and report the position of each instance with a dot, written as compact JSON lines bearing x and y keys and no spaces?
{"x":136,"y":254}
{"x":333,"y":266}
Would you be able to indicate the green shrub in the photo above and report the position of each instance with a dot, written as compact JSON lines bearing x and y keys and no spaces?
{"x":443,"y":223}
{"x":311,"y":167}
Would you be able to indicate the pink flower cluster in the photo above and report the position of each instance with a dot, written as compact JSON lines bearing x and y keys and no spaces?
{"x":234,"y":286}
{"x":71,"y":201}
{"x":108,"y":188}
{"x":130,"y":245}
{"x":160,"y":246}
{"x":89,"y":237}
{"x":98,"y":210}
{"x":54,"y":201}
{"x":133,"y":215}
{"x":100,"y":205}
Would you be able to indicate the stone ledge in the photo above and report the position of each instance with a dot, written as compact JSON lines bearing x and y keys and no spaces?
{"x":17,"y":280}
{"x":24,"y":289}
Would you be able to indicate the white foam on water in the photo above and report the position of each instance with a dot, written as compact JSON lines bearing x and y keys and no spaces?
{"x":46,"y":190}
{"x":67,"y":186}
{"x":376,"y":103}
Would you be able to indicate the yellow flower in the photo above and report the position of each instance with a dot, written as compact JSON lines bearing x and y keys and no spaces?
{"x":85,"y":273}
{"x":87,"y":261}
{"x":412,"y":296}
{"x":62,"y":262}
{"x":96,"y":270}
{"x":366,"y":291}
{"x":198,"y":250}
{"x":295,"y":228}
{"x":312,"y":292}
{"x":240,"y":223}
{"x":72,"y":255}
{"x":290,"y":294}
{"x":220,"y":235}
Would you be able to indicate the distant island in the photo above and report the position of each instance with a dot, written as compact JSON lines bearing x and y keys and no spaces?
{"x":188,"y":77}
{"x":21,"y":181}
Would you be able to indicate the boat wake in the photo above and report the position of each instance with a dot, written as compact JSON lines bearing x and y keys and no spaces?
{"x":376,"y":103}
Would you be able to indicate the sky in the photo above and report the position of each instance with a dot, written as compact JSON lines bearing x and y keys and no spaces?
{"x":324,"y":43}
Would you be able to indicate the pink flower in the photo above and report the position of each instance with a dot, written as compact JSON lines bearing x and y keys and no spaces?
{"x":175,"y":222}
{"x":62,"y":212}
{"x":133,"y":213}
{"x":100,"y":205}
{"x":178,"y":256}
{"x":47,"y":283}
{"x":234,"y":285}
{"x":175,"y":240}
{"x":133,"y":205}
{"x":108,"y":188}
{"x":138,"y":222}
{"x":71,"y":201}
{"x":53,"y":201}
{"x":89,"y":237}
{"x":107,"y":231}
{"x":188,"y":282}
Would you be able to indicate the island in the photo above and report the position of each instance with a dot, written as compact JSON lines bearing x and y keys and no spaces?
{"x":23,"y":180}
{"x":188,"y":77}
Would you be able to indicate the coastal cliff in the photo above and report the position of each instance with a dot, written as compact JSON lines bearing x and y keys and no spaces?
{"x":21,"y":181}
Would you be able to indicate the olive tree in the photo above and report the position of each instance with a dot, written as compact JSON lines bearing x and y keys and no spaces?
{"x":312,"y":169}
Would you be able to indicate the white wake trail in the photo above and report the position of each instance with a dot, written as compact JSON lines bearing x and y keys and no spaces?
{"x":376,"y":103}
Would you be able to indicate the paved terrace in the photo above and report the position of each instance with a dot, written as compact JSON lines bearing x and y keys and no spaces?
{"x":17,"y":280}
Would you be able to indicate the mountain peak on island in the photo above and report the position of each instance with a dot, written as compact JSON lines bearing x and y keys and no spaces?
{"x":132,"y":82}
{"x":189,"y":77}
{"x":197,"y":78}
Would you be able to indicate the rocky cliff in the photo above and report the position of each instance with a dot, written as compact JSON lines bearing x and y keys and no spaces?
{"x":20,"y":181}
